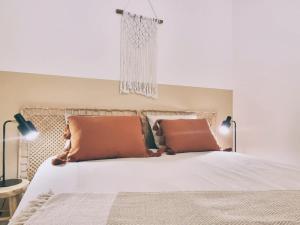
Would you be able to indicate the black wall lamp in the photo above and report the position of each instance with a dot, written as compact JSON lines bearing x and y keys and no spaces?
{"x":225,"y":128}
{"x":29,"y":133}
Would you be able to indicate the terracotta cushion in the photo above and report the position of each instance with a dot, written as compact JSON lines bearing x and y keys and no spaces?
{"x":188,"y":135}
{"x":101,"y":137}
{"x":159,"y":141}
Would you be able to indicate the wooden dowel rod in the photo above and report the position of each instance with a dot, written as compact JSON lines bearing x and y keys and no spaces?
{"x":120,"y":11}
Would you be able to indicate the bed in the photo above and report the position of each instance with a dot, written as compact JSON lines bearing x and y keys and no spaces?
{"x":199,"y":174}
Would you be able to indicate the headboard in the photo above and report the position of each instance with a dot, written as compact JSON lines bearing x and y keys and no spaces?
{"x":51,"y":123}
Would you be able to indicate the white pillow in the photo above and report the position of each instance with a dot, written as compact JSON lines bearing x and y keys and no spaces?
{"x":67,"y":144}
{"x":153,"y":118}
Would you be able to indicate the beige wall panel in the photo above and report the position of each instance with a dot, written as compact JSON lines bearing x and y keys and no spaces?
{"x":18,"y":90}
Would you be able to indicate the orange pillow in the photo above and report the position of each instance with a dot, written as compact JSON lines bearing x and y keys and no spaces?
{"x":187,"y":135}
{"x":101,"y":137}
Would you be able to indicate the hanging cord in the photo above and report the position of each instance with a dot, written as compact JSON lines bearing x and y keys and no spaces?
{"x":150,"y":3}
{"x":126,"y":5}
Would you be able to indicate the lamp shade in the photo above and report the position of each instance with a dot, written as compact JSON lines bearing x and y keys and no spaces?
{"x":26,"y":128}
{"x":227,"y":122}
{"x":225,"y":128}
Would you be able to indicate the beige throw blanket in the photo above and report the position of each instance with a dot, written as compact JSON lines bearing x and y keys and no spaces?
{"x":174,"y":208}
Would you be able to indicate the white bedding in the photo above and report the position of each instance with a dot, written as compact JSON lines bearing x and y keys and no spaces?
{"x":205,"y":171}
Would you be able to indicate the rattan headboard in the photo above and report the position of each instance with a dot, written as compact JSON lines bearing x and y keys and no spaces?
{"x":51,"y":123}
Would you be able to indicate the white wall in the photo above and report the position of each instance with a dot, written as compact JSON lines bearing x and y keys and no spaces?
{"x":81,"y":38}
{"x":266,"y":50}
{"x":199,"y":43}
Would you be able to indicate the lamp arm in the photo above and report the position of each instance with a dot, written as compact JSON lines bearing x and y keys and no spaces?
{"x":3,"y":147}
{"x":234,"y":124}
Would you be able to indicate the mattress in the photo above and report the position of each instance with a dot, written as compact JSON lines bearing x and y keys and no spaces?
{"x":203,"y":171}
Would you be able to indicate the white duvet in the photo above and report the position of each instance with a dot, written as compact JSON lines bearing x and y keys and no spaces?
{"x":182,"y":172}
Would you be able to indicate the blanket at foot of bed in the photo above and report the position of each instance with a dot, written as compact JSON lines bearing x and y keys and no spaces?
{"x":169,"y":208}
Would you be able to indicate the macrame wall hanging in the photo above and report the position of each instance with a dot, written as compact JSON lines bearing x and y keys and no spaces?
{"x":138,"y":53}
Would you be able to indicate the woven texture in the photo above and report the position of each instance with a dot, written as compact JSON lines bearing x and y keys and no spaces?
{"x":51,"y":123}
{"x":173,"y":208}
{"x":66,"y":209}
{"x":210,"y":116}
{"x":138,"y":55}
{"x":206,"y":208}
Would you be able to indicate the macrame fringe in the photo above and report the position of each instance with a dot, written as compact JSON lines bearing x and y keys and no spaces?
{"x":138,"y":55}
{"x":32,"y":207}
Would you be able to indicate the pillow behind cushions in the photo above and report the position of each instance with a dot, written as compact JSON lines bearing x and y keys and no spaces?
{"x":187,"y":135}
{"x":150,"y":144}
{"x":101,"y":137}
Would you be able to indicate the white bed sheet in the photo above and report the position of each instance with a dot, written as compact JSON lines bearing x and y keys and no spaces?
{"x":182,"y":172}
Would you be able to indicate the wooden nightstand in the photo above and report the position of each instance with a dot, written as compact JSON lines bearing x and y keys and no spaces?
{"x":13,"y":194}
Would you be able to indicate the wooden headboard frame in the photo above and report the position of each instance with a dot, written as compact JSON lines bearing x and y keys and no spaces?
{"x":51,"y":123}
